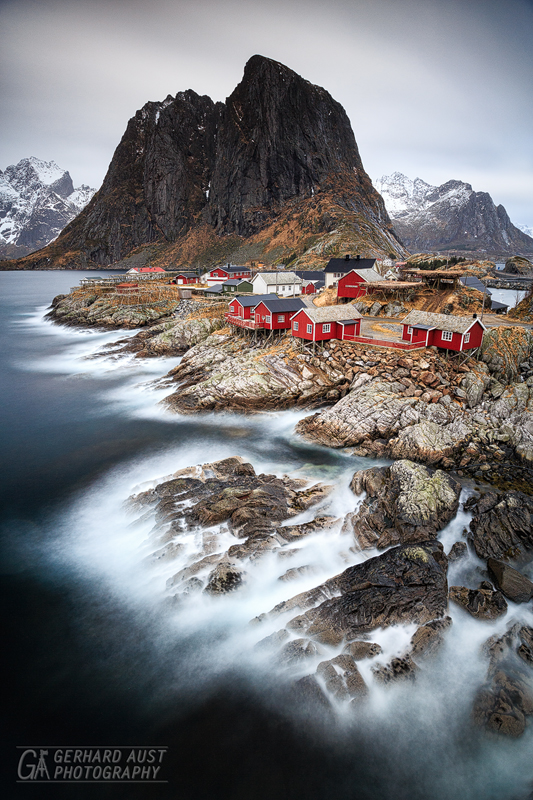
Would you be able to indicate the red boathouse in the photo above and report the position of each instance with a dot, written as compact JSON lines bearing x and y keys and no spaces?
{"x":323,"y":324}
{"x":443,"y":330}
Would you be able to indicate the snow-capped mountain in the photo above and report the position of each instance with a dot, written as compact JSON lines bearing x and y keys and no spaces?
{"x":37,"y":200}
{"x":527,"y":229}
{"x":449,"y":217}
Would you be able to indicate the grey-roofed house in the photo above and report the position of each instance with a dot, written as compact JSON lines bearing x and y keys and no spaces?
{"x":337,"y":267}
{"x":443,"y":330}
{"x":329,"y":322}
{"x":287,"y":284}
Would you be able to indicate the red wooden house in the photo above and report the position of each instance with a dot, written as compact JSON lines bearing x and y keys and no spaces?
{"x":274,"y":313}
{"x":186,"y":278}
{"x":241,"y":311}
{"x":443,"y":330}
{"x":221,"y":274}
{"x":357,"y":282}
{"x":329,"y":322}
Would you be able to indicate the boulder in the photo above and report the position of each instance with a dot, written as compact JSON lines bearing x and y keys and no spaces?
{"x":458,"y":551}
{"x":226,"y":577}
{"x":428,"y":639}
{"x":482,"y":603}
{"x":513,"y":584}
{"x":474,"y":385}
{"x":501,"y":525}
{"x":405,"y":503}
{"x":342,"y":678}
{"x":398,"y":669}
{"x":404,"y":584}
{"x":431,"y":442}
{"x":360,"y":650}
{"x":503,"y":704}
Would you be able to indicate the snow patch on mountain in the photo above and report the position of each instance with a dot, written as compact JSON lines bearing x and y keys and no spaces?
{"x":450,"y":216}
{"x":37,"y":200}
{"x":527,"y":229}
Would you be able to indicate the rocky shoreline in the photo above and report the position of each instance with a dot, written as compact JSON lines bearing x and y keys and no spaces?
{"x":440,"y":419}
{"x":326,"y":631}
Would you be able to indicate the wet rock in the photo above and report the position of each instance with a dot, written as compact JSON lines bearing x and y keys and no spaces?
{"x":361,"y":650}
{"x":525,"y":648}
{"x":342,"y":678}
{"x":480,"y":603}
{"x":458,"y":551}
{"x":404,"y":584}
{"x":405,"y":503}
{"x":503,"y":704}
{"x":298,"y":650}
{"x":431,"y":442}
{"x":226,"y":577}
{"x":513,"y":584}
{"x":428,"y":639}
{"x":309,"y":696}
{"x":273,"y":641}
{"x":502,"y":525}
{"x":399,"y":669}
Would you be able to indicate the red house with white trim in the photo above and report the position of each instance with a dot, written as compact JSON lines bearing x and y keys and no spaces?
{"x":329,"y":322}
{"x":186,"y":278}
{"x":443,"y":330}
{"x":144,"y":270}
{"x":221,"y":274}
{"x":357,"y":282}
{"x":274,"y":313}
{"x":241,"y":310}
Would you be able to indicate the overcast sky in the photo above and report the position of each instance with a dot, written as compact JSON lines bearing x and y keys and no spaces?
{"x":436,"y":89}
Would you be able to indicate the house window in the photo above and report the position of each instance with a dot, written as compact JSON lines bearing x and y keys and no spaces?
{"x":467,"y":338}
{"x":295,"y":326}
{"x":268,"y":320}
{"x":409,"y":330}
{"x":446,"y":336}
{"x":309,"y":329}
{"x":326,"y":328}
{"x":281,"y":317}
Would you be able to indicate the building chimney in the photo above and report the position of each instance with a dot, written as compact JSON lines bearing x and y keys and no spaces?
{"x":474,"y":316}
{"x":358,"y":257}
{"x":347,"y":257}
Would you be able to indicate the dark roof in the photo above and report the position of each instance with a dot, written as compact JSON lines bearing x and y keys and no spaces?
{"x":495,"y":304}
{"x":251,"y":301}
{"x":474,"y":283}
{"x":276,"y":304}
{"x":188,"y":274}
{"x":235,"y":281}
{"x":345,"y":265}
{"x":310,"y":275}
{"x":346,"y":321}
{"x":216,"y":288}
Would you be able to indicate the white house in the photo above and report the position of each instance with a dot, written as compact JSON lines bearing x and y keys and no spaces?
{"x":284,"y":284}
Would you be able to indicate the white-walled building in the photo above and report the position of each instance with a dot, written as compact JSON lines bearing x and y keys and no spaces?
{"x":284,"y":284}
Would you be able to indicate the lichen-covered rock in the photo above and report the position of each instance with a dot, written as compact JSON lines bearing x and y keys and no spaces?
{"x":504,"y":349}
{"x":399,"y":669}
{"x":342,"y":678}
{"x":480,"y":603}
{"x":474,"y":385}
{"x":226,"y":577}
{"x":458,"y":551}
{"x":431,"y":442}
{"x":360,"y":650}
{"x":405,"y":503}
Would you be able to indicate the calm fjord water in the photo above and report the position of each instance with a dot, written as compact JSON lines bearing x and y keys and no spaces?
{"x":90,"y":657}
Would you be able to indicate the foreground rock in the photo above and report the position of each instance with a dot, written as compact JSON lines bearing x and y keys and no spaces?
{"x":226,"y":373}
{"x":512,"y":584}
{"x":482,"y":603}
{"x":404,"y":584}
{"x":226,"y":492}
{"x":93,"y":310}
{"x":502,"y":526}
{"x":405,"y":503}
{"x":504,"y":702}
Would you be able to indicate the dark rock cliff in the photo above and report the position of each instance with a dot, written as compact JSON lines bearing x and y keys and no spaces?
{"x":189,"y":167}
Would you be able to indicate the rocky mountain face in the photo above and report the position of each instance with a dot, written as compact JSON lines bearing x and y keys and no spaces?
{"x":37,"y":200}
{"x":449,"y":217}
{"x":272,"y":173}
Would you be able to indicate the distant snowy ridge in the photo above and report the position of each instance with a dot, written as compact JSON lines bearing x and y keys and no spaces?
{"x":37,"y":200}
{"x":450,"y":217}
{"x":527,"y":229}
